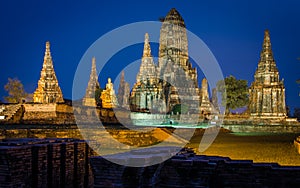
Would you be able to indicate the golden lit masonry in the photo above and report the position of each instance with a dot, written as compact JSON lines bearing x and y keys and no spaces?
{"x":48,"y":90}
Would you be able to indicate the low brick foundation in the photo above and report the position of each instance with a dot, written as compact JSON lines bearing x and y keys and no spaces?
{"x":44,"y":163}
{"x":189,"y":170}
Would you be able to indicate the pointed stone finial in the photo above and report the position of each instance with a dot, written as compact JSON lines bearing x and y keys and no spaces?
{"x":266,"y":53}
{"x":267,"y":41}
{"x":93,"y":63}
{"x":147,"y":48}
{"x":204,"y":83}
{"x":204,"y":88}
{"x":122,"y":75}
{"x":174,"y":17}
{"x":47,"y":52}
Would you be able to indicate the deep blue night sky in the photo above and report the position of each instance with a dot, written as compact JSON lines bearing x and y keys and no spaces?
{"x":233,"y":30}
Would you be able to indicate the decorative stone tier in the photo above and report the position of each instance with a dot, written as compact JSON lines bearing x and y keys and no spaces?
{"x":186,"y":169}
{"x":44,"y":163}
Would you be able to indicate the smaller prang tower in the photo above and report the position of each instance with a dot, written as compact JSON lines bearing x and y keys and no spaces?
{"x":123,"y":92}
{"x":146,"y":94}
{"x":267,"y":92}
{"x":206,"y":106}
{"x":93,"y":85}
{"x":48,"y":90}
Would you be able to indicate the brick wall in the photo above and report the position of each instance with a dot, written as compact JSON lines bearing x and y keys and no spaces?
{"x":189,"y":170}
{"x":44,"y":163}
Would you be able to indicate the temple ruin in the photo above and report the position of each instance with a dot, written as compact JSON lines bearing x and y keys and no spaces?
{"x":48,"y":90}
{"x":267,"y":92}
{"x":93,"y":85}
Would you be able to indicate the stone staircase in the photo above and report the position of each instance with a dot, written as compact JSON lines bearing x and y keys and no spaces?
{"x":9,"y":111}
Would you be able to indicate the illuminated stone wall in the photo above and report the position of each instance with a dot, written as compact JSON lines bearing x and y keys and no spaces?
{"x":39,"y":111}
{"x":48,"y":114}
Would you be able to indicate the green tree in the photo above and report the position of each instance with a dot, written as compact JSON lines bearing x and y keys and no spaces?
{"x":98,"y":92}
{"x":15,"y":89}
{"x":234,"y":93}
{"x":297,"y":113}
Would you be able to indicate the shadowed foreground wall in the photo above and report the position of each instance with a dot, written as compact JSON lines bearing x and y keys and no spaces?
{"x":44,"y":163}
{"x":189,"y":170}
{"x":64,"y":163}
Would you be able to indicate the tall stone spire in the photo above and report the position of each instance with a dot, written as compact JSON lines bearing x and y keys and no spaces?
{"x":267,"y":71}
{"x":146,"y":93}
{"x":147,"y":69}
{"x":205,"y":107}
{"x":48,"y":90}
{"x":123,"y":92}
{"x":93,"y":85}
{"x":147,"y":48}
{"x":267,"y":92}
{"x":266,"y":53}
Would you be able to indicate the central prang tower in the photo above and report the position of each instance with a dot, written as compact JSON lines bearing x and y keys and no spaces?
{"x":177,"y":76}
{"x":173,"y":39}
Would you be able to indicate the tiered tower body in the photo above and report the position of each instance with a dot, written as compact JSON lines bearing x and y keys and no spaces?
{"x":267,"y":92}
{"x":93,"y":85}
{"x":48,"y":90}
{"x":178,"y":78}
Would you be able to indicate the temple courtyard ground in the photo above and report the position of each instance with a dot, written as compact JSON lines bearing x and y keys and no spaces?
{"x":259,"y":147}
